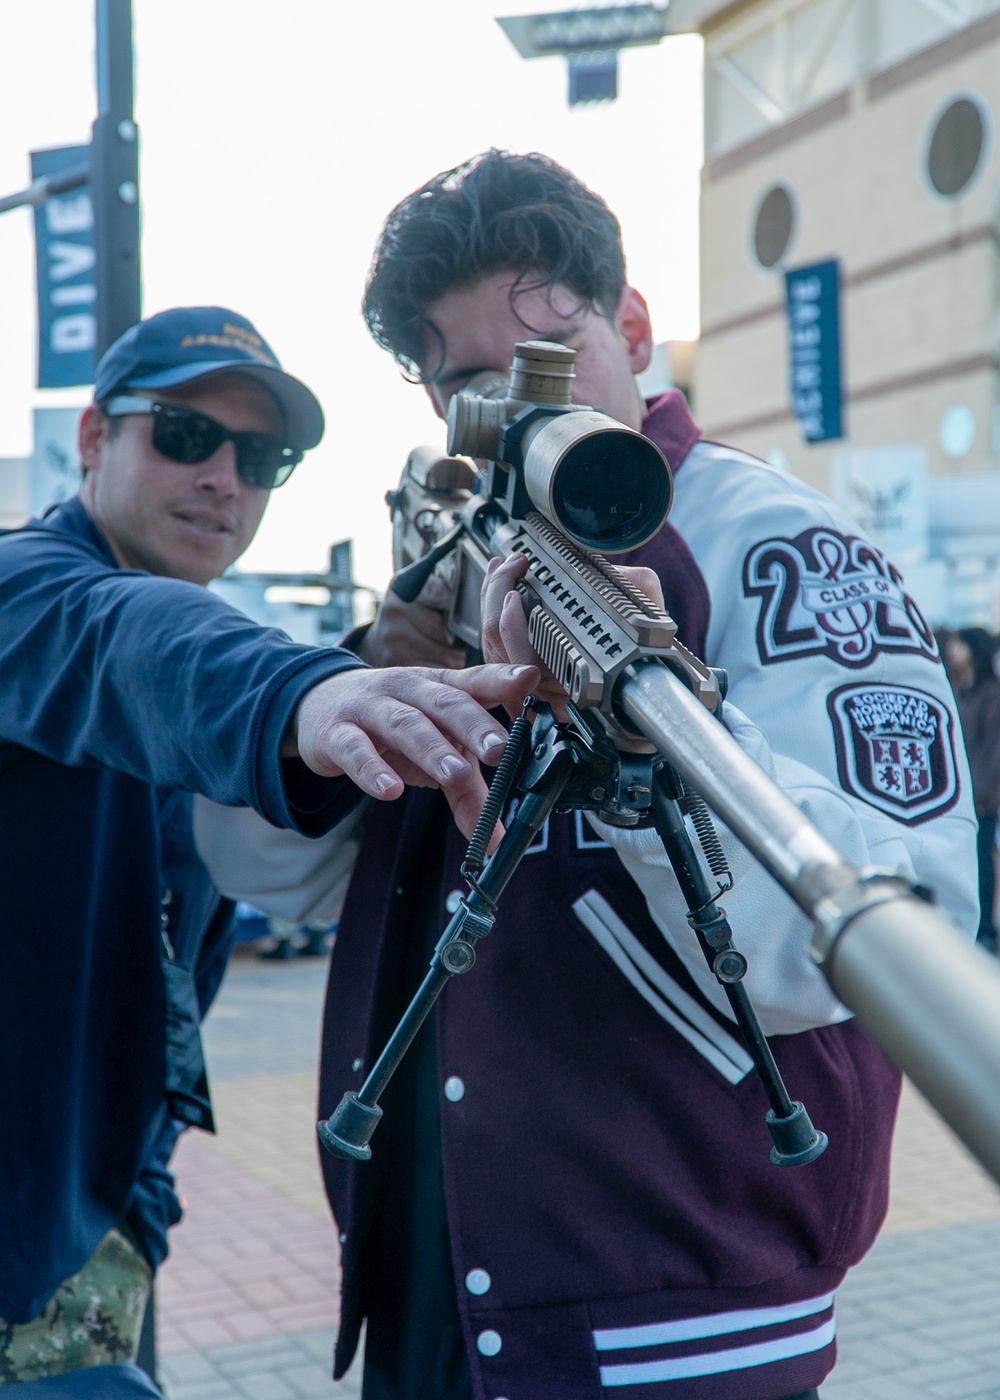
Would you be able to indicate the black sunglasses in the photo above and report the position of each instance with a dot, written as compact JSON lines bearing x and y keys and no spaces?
{"x":184,"y":435}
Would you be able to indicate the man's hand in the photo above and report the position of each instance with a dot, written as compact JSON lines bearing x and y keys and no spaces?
{"x":413,"y":634}
{"x":412,"y":725}
{"x":505,"y":627}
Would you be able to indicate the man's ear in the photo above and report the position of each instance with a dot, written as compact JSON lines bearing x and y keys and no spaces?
{"x":91,"y":436}
{"x":633,"y":324}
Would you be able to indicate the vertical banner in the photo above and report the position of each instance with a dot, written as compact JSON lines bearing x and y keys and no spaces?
{"x":67,"y":290}
{"x":813,"y":300}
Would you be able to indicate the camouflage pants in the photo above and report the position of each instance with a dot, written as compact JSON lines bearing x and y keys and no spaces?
{"x":94,"y":1320}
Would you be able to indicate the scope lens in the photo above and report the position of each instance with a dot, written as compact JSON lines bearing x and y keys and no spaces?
{"x":611,"y":492}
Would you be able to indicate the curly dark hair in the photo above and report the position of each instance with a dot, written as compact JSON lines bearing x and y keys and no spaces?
{"x":498,"y":212}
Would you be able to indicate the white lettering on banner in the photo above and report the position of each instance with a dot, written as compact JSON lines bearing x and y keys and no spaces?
{"x":813,"y":340}
{"x":70,"y":260}
{"x":74,"y":215}
{"x":805,"y":335}
{"x":76,"y":332}
{"x":73,"y":296}
{"x":807,"y":289}
{"x":70,"y":334}
{"x":827,"y":593}
{"x":67,"y":274}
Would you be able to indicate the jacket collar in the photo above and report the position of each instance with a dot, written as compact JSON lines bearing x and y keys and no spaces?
{"x":70,"y":518}
{"x":670,"y":425}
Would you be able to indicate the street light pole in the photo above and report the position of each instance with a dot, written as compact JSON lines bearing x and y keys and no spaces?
{"x":115,"y":177}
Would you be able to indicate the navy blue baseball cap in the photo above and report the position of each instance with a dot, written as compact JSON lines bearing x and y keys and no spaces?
{"x":192,"y":342}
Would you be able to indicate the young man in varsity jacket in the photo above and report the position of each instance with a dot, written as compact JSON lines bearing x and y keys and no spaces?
{"x":571,"y":1193}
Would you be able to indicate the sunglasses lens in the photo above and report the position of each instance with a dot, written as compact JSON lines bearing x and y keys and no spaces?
{"x":262,"y":461}
{"x":185,"y":436}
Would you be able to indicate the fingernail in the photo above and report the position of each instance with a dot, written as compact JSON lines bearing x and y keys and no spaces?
{"x":491,"y":742}
{"x":451,"y":766}
{"x":516,"y":672}
{"x":384,"y":782}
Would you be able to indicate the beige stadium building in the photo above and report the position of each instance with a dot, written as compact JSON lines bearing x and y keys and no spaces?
{"x":863,"y":131}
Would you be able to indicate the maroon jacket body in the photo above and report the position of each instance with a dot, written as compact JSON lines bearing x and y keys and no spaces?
{"x":611,"y":1188}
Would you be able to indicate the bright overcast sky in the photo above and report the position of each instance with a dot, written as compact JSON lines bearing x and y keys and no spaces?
{"x":275,"y":138}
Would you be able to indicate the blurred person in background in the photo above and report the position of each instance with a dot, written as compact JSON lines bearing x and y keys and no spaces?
{"x":969,"y":657}
{"x":290,"y":940}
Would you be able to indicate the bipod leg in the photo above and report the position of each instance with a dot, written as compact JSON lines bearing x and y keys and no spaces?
{"x":346,"y":1133}
{"x":796,"y":1141}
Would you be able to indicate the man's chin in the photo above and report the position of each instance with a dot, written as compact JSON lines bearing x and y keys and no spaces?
{"x":190,"y":565}
{"x":199,"y":555}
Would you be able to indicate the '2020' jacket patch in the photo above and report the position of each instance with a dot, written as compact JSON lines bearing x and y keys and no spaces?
{"x":824,"y":593}
{"x":895,"y":749}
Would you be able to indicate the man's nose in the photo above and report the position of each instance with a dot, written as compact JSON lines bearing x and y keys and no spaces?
{"x":218,"y":473}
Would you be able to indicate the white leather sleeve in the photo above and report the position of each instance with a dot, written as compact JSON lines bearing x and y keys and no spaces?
{"x":791,"y":711}
{"x":280,"y":872}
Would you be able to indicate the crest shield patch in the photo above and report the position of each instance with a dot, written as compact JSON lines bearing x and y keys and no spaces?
{"x":895,"y":749}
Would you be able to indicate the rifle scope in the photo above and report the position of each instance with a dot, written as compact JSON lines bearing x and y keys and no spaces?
{"x":603,"y":484}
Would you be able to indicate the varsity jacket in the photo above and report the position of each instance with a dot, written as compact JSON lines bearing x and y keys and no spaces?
{"x":617,"y":1227}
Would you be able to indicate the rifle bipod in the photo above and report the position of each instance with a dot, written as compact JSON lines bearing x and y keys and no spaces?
{"x":571,"y":767}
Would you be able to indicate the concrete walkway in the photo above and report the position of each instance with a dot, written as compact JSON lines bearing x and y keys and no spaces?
{"x":247,"y":1301}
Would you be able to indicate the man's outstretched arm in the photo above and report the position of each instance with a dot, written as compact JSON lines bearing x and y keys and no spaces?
{"x":156,"y":678}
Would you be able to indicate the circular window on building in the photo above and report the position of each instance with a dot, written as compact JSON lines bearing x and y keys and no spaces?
{"x":773,"y":226}
{"x":957,"y":146}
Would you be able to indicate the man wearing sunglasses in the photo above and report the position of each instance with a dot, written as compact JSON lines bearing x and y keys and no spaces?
{"x":127,"y":688}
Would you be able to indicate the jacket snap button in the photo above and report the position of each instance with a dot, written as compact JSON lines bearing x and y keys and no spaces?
{"x":478,"y":1281}
{"x":489,"y":1343}
{"x":453,"y":901}
{"x":454,"y":1089}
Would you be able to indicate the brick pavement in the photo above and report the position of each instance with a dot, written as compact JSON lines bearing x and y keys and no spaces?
{"x":918,"y":1318}
{"x":246,"y":1303}
{"x":251,"y":1263}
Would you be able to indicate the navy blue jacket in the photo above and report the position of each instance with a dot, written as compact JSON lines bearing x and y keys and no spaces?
{"x":120,"y":694}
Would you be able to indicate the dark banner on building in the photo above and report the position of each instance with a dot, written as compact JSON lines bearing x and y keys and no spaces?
{"x":67,"y":290}
{"x":813,"y":295}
